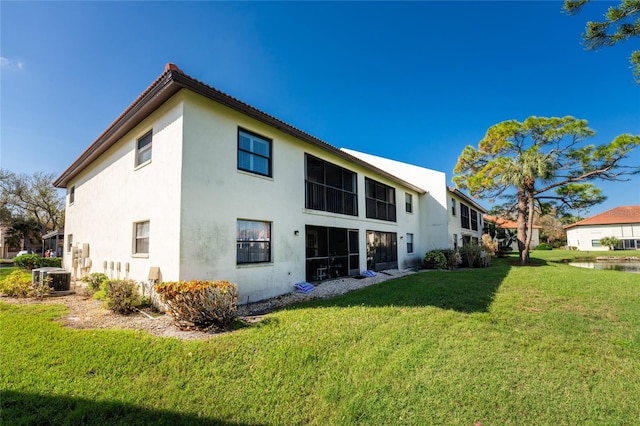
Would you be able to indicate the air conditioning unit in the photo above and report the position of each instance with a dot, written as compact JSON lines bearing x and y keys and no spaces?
{"x":39,"y":275}
{"x":60,"y":280}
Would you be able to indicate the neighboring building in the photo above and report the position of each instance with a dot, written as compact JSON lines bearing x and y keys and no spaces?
{"x":620,"y":222}
{"x":4,"y":247}
{"x":432,"y":204}
{"x":450,"y":218}
{"x":465,"y":219}
{"x":191,"y":183}
{"x":512,"y":227}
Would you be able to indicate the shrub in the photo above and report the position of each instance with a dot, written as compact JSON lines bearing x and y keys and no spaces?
{"x":200,"y":304}
{"x":49,"y":261}
{"x":471,"y":254}
{"x":453,"y":259}
{"x":26,"y":261}
{"x":503,"y":251}
{"x":16,"y":284}
{"x":94,"y":281}
{"x":544,"y":246}
{"x":32,"y":261}
{"x":435,"y":259}
{"x":489,"y":245}
{"x":123,"y":296}
{"x":610,"y":242}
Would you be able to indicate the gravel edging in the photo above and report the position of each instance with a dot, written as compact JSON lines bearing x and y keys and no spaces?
{"x":322,"y":290}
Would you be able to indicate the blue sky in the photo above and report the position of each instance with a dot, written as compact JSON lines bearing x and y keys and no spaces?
{"x":414,"y":81}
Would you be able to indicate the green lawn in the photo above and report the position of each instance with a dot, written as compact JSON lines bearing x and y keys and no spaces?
{"x":572,"y":255}
{"x":540,"y":345}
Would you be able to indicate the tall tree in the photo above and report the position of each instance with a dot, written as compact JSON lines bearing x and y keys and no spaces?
{"x":542,"y":160}
{"x":552,"y":228}
{"x":32,"y":196}
{"x":621,"y":23}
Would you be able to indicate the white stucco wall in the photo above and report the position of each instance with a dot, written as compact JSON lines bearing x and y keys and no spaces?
{"x":111,"y":194}
{"x":454,"y":222}
{"x":215,"y":194}
{"x":433,"y":204}
{"x":582,"y":236}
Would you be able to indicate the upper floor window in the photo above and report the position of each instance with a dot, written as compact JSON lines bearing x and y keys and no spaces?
{"x":329,"y":187}
{"x":408,"y":202}
{"x":254,"y":153}
{"x":381,"y":200}
{"x":464,"y":216}
{"x":474,"y":220}
{"x":253,"y":242}
{"x":72,"y":195}
{"x":453,"y":207}
{"x":143,"y":148}
{"x":141,"y":238}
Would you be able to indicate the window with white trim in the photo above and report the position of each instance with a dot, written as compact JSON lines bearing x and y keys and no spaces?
{"x":408,"y":202}
{"x":72,"y":194}
{"x":409,"y":243}
{"x":453,"y":207}
{"x":69,"y":242}
{"x":141,"y":237}
{"x":143,"y":148}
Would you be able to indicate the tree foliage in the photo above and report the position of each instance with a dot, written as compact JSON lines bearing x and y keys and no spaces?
{"x":32,"y":197}
{"x":610,"y":242}
{"x":552,"y":229}
{"x":542,"y":160}
{"x":621,"y":22}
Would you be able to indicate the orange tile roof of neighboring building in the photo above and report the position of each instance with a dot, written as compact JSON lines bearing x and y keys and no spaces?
{"x":619,"y":215}
{"x":504,"y":223}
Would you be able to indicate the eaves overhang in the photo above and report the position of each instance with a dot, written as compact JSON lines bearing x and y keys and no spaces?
{"x":167,"y":85}
{"x":468,"y":199}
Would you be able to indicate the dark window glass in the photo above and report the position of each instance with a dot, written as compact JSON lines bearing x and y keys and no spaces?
{"x":329,"y":187}
{"x":254,"y":153}
{"x":380,"y":201}
{"x":474,"y":220}
{"x":408,"y":201}
{"x":464,"y":216}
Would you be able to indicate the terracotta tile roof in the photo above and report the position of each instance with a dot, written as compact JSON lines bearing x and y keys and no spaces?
{"x":504,"y":223}
{"x":619,"y":215}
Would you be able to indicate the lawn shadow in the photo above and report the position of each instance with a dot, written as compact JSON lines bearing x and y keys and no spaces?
{"x":20,"y":408}
{"x":463,"y":290}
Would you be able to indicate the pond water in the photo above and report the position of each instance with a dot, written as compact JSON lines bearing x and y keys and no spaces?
{"x":633,"y":267}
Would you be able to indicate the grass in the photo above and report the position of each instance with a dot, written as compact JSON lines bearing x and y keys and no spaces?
{"x":548,"y":344}
{"x":8,"y":270}
{"x":574,"y":255}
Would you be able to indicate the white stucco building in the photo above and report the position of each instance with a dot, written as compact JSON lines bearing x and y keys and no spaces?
{"x":191,"y":183}
{"x":453,"y":219}
{"x":465,"y":223}
{"x":620,"y":222}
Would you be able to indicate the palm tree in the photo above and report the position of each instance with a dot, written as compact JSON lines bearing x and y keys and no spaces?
{"x":523,"y":172}
{"x":610,"y":242}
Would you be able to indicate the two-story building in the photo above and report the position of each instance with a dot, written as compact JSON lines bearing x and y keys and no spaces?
{"x":191,"y":183}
